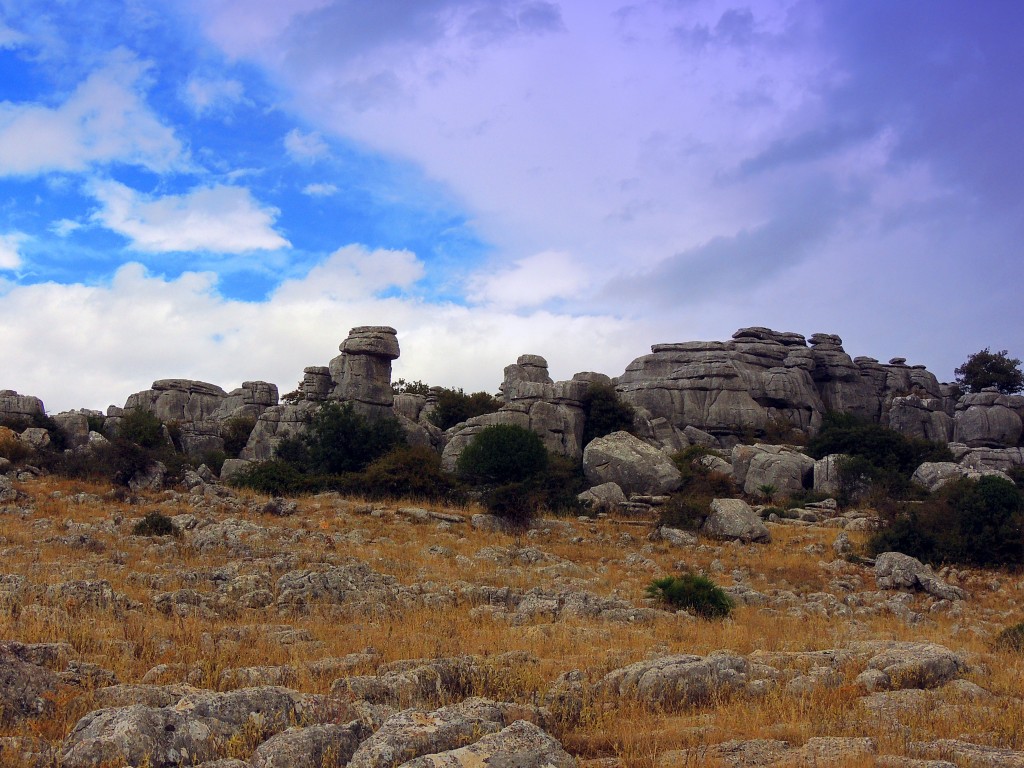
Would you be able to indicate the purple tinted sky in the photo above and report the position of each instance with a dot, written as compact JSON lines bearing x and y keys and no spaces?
{"x":219,"y":189}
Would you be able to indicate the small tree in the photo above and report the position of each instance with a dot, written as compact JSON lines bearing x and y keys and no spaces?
{"x":990,"y":369}
{"x":455,"y":406}
{"x":503,"y":453}
{"x":341,"y":440}
{"x":604,"y":412}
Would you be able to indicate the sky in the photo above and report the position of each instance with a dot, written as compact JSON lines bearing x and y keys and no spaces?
{"x":221,"y":189}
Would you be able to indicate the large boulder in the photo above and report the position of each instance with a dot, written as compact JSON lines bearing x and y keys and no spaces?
{"x":178,"y":400}
{"x":734,"y":519}
{"x":935,"y":474}
{"x":677,"y":681}
{"x":15,"y":407}
{"x":312,"y":746}
{"x":785,"y":469}
{"x":520,"y":745}
{"x":630,"y":463}
{"x":895,"y":570}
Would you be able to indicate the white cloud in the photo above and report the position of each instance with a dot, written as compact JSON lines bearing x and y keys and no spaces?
{"x":305,"y":147}
{"x":64,"y":227}
{"x":203,"y":94}
{"x":10,"y":244}
{"x":10,"y":38}
{"x":320,"y":190}
{"x":104,"y":120}
{"x":530,"y":282}
{"x":103,"y":342}
{"x":353,"y":272}
{"x":220,"y":219}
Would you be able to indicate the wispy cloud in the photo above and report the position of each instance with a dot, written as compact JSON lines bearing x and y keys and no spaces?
{"x":204,"y":95}
{"x":305,"y":147}
{"x":219,"y":219}
{"x":105,"y":120}
{"x":10,"y":244}
{"x":320,"y":190}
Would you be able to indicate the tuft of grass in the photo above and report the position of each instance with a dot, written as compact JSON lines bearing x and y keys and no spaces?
{"x":692,"y":592}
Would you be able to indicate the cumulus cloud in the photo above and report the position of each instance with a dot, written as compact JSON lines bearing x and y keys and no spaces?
{"x":10,"y":256}
{"x":205,"y":94}
{"x":320,"y":190}
{"x":530,"y":281}
{"x":104,"y":120}
{"x":219,"y":219}
{"x":305,"y":147}
{"x":104,"y":342}
{"x":64,"y":227}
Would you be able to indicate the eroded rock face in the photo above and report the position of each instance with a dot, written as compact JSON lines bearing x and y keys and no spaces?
{"x":630,"y":463}
{"x":14,"y":406}
{"x":522,"y":744}
{"x":988,"y":419}
{"x":763,"y":380}
{"x":677,"y":681}
{"x":894,"y":570}
{"x":734,"y":519}
{"x":362,"y":372}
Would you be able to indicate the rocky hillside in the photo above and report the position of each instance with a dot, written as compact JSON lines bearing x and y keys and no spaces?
{"x":328,"y":632}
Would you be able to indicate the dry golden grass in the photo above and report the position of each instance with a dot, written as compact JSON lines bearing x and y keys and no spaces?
{"x":40,"y":546}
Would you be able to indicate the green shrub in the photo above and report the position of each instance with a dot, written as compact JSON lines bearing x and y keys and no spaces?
{"x":156,"y":524}
{"x":235,"y":432}
{"x":454,"y":406}
{"x":142,"y":428}
{"x":274,"y":478}
{"x":990,"y":369}
{"x":515,"y":503}
{"x":559,"y":485}
{"x":403,"y":387}
{"x":604,"y":412}
{"x":503,"y":453}
{"x":409,"y":472}
{"x":1011,"y":639}
{"x":117,"y":462}
{"x":685,"y":512}
{"x":96,"y":423}
{"x":974,"y":522}
{"x":692,"y":592}
{"x":340,"y":440}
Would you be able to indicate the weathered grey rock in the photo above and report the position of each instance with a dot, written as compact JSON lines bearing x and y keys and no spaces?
{"x":296,"y":589}
{"x":462,"y":435}
{"x":74,"y":425}
{"x":603,"y":497}
{"x":988,"y":419}
{"x":14,"y":406}
{"x":413,"y":732}
{"x":912,"y":665}
{"x":922,"y":418}
{"x":826,"y":473}
{"x":935,"y":474}
{"x":677,"y":681}
{"x":36,"y":438}
{"x":520,"y":745}
{"x":675,"y":537}
{"x":969,"y":754}
{"x":894,"y":570}
{"x":26,"y":689}
{"x":178,"y":400}
{"x":630,"y":463}
{"x":274,"y":425}
{"x":362,"y":372}
{"x":317,"y":383}
{"x":787,"y":470}
{"x":314,"y":746}
{"x":734,"y":519}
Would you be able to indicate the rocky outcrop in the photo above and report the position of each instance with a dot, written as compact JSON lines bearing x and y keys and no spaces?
{"x":784,"y":469}
{"x":15,"y":407}
{"x":988,"y":419}
{"x":362,"y":372}
{"x":630,"y":463}
{"x":734,"y":519}
{"x":932,"y":475}
{"x":894,"y":570}
{"x":764,"y":381}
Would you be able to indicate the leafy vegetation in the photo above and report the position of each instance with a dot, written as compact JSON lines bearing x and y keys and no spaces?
{"x":973,"y":522}
{"x":156,"y":524}
{"x":692,"y":592}
{"x":454,"y":406}
{"x":235,"y":432}
{"x":502,"y":453}
{"x":990,"y":369}
{"x":141,"y":427}
{"x":409,"y":472}
{"x":403,"y":387}
{"x":879,"y":461}
{"x":690,"y":504}
{"x":605,"y":412}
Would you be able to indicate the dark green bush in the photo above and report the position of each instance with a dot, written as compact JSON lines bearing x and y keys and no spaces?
{"x":117,"y":461}
{"x":692,"y":592}
{"x":690,"y":504}
{"x":156,"y":524}
{"x":559,"y":485}
{"x":142,"y":428}
{"x":503,"y":453}
{"x":1011,"y":639}
{"x":96,"y":423}
{"x":403,"y":387}
{"x":990,"y":369}
{"x":515,"y":503}
{"x":454,"y":406}
{"x":604,"y":412}
{"x":685,"y":512}
{"x":235,"y":432}
{"x":974,"y":522}
{"x":274,"y":478}
{"x":409,"y":472}
{"x":340,"y":440}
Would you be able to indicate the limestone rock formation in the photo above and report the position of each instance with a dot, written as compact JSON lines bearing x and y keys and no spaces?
{"x":894,"y":570}
{"x":734,"y":519}
{"x":362,"y":372}
{"x":14,"y":406}
{"x":630,"y":463}
{"x":988,"y":419}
